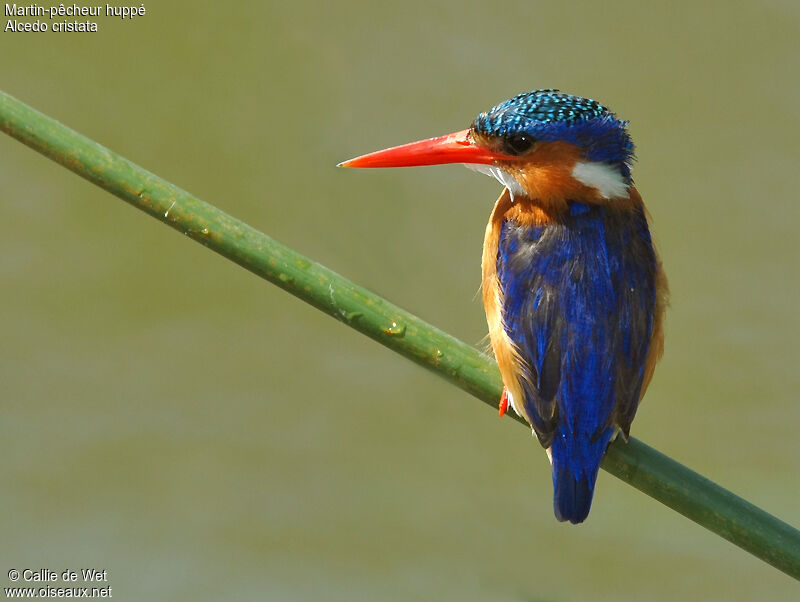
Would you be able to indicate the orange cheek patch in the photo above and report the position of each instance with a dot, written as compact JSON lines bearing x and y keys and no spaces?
{"x":546,"y":175}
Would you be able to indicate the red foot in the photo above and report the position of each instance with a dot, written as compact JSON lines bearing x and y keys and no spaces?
{"x":504,"y":401}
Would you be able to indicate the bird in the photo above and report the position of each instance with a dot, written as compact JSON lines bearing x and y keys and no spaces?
{"x":573,"y":288}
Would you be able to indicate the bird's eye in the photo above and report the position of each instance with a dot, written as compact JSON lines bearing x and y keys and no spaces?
{"x":516,"y":144}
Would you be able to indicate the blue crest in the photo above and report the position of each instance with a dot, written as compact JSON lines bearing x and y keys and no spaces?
{"x":551,"y":116}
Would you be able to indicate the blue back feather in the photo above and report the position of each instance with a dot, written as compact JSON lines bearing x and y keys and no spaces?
{"x":579,"y":299}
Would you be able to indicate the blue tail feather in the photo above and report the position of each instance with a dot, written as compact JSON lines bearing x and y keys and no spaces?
{"x":576,"y":461}
{"x":572,"y":497}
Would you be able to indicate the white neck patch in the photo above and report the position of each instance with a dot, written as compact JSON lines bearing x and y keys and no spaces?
{"x":502,"y":176}
{"x":602,"y":176}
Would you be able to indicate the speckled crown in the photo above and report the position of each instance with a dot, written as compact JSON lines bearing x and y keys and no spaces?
{"x":551,"y":116}
{"x":538,"y":107}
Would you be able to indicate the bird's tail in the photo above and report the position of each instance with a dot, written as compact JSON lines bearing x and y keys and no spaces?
{"x":572,"y":496}
{"x":574,"y":476}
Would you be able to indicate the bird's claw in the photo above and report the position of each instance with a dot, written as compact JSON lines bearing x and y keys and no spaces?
{"x":503,"y":402}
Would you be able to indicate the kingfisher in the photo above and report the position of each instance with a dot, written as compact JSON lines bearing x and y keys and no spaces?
{"x":573,"y":289}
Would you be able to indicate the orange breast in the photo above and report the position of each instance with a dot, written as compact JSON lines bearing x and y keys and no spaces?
{"x":505,"y":352}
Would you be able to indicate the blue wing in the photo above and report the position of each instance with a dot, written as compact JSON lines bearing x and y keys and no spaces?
{"x":579,"y":302}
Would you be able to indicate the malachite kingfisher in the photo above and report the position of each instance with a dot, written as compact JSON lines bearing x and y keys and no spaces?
{"x":573,"y":289}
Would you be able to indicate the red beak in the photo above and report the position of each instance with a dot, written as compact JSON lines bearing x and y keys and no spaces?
{"x":452,"y":148}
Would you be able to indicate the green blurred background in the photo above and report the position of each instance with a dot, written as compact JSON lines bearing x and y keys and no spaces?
{"x":202,"y":435}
